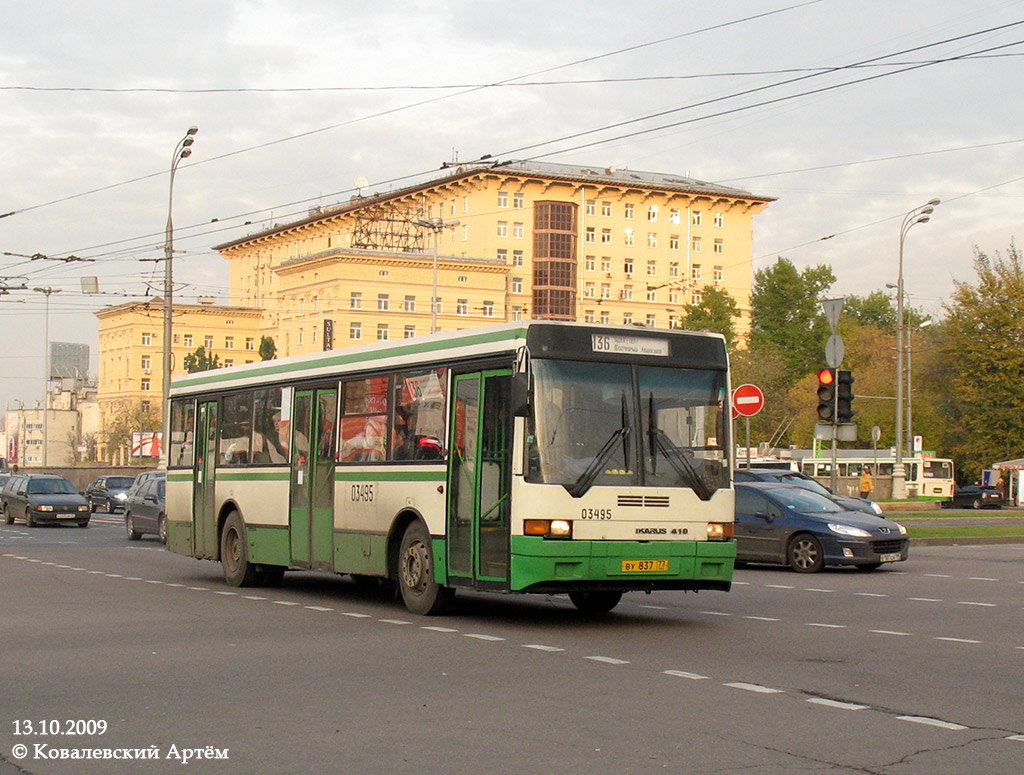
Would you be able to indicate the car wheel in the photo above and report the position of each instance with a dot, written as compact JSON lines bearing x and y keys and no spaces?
{"x":29,"y":522}
{"x":420,"y":591}
{"x":84,"y":523}
{"x":976,"y":503}
{"x":92,"y":507}
{"x":600,"y":602}
{"x":8,"y":516}
{"x":234,"y":554}
{"x":129,"y":527}
{"x":805,"y":554}
{"x":162,"y":529}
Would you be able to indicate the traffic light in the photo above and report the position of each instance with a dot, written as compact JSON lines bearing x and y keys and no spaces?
{"x":844,"y":407}
{"x":826,"y":394}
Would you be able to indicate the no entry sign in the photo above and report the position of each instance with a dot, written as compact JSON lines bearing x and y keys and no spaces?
{"x":747,"y":400}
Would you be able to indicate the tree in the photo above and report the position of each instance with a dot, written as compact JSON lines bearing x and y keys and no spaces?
{"x":983,"y":355}
{"x":875,"y":309}
{"x":716,"y":312}
{"x":268,"y":350}
{"x":200,"y":361}
{"x":786,"y":316}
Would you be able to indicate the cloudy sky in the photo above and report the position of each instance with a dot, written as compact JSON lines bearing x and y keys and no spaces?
{"x":850,"y":112}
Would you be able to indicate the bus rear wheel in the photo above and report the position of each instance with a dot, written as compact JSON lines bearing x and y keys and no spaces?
{"x":599,"y":602}
{"x":420,"y":591}
{"x":234,"y":554}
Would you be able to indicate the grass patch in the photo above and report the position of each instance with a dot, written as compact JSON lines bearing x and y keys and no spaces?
{"x":927,"y":531}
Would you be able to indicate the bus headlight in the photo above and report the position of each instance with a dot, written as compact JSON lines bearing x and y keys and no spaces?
{"x":719,"y":531}
{"x":548,"y":528}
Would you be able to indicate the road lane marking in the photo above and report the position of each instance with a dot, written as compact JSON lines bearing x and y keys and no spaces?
{"x":684,"y":674}
{"x":253,"y":597}
{"x":869,"y":594}
{"x":888,"y":632}
{"x":827,"y":626}
{"x":818,"y":589}
{"x":754,"y":688}
{"x":938,"y":575}
{"x":931,"y":722}
{"x":435,"y":628}
{"x":960,"y":640}
{"x":355,"y":615}
{"x":1019,"y":738}
{"x":318,"y":608}
{"x":655,"y":607}
{"x":762,"y":618}
{"x":394,"y":621}
{"x":982,"y":578}
{"x":541,"y":647}
{"x":926,"y":599}
{"x":837,"y":704}
{"x":983,"y":605}
{"x":284,"y":602}
{"x":480,"y":636}
{"x":609,"y":660}
{"x":780,"y":586}
{"x":716,"y":613}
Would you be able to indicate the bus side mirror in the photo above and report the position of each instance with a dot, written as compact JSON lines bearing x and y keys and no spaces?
{"x":520,"y":394}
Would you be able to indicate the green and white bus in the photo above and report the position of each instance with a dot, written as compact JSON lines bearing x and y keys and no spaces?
{"x":533,"y":456}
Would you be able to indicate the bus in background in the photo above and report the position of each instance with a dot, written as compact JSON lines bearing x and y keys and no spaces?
{"x":926,"y":476}
{"x":532,"y":456}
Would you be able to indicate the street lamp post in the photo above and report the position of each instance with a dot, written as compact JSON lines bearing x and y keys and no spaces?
{"x":47,"y":291}
{"x":437,"y":225}
{"x":920,"y":214}
{"x":181,"y":151}
{"x":910,"y":390}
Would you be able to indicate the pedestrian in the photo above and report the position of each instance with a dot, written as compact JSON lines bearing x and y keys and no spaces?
{"x":866,"y":485}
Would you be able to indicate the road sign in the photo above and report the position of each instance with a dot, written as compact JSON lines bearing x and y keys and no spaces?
{"x":835,"y":349}
{"x":747,"y":400}
{"x":832,"y":309}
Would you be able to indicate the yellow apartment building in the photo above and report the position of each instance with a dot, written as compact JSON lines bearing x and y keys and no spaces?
{"x":577,"y":243}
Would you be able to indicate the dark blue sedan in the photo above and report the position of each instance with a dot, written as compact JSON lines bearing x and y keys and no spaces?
{"x":780,"y":523}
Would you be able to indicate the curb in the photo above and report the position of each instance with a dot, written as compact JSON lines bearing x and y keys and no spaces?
{"x":967,"y":540}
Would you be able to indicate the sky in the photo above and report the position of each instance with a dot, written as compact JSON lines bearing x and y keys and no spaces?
{"x":851,"y":113}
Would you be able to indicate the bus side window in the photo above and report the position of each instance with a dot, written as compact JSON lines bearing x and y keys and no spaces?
{"x":364,"y":420}
{"x":418,"y":420}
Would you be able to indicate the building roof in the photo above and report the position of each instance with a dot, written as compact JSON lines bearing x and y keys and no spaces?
{"x":605,"y":176}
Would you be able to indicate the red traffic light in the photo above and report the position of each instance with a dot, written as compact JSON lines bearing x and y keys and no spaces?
{"x":826,"y":376}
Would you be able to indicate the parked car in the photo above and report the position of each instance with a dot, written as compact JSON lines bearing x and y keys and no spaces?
{"x":781,"y":523}
{"x":41,"y":498}
{"x":109,"y":492}
{"x":977,"y":496}
{"x":145,"y":510}
{"x":785,"y":476}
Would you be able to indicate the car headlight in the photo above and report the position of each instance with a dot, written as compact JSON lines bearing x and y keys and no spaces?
{"x":121,"y":496}
{"x":903,"y":530}
{"x":876,"y":508}
{"x":846,"y":530}
{"x":84,"y":508}
{"x":44,"y":508}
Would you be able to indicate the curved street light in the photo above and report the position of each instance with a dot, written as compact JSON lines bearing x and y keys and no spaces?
{"x":47,"y":291}
{"x":182,"y":150}
{"x":920,"y":214}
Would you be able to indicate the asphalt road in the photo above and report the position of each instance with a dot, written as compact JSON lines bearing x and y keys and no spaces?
{"x":916,"y":668}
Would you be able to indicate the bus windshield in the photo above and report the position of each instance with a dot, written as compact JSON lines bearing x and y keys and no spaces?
{"x":613,"y":424}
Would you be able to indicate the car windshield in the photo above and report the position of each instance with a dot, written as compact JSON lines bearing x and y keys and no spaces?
{"x":50,"y":487}
{"x":811,"y":485}
{"x":804,"y":501}
{"x":120,"y":482}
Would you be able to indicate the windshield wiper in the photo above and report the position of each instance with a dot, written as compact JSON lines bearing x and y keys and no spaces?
{"x":586,"y":479}
{"x":682,"y":465}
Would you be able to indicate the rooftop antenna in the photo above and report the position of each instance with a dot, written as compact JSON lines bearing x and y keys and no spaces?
{"x":361,"y":183}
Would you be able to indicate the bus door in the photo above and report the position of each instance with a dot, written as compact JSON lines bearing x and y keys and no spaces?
{"x":311,"y":503}
{"x":204,"y":516}
{"x":479,"y":479}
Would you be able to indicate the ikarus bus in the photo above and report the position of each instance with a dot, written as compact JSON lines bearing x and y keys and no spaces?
{"x":528,"y":457}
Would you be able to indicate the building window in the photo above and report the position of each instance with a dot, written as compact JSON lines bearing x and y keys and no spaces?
{"x":673,"y":215}
{"x":302,"y":336}
{"x":187,"y":340}
{"x":627,"y":293}
{"x":517,"y":313}
{"x":698,"y":217}
{"x":461,"y":307}
{"x":502,"y":228}
{"x":718,"y":275}
{"x":630,"y":211}
{"x":465,"y":233}
{"x":517,"y":230}
{"x":382,"y":329}
{"x":208,"y":342}
{"x":144,"y":384}
{"x":652,"y":212}
{"x":502,"y":199}
{"x":697,"y":297}
{"x":627,"y":267}
{"x":652,"y":239}
{"x":355,"y":330}
{"x":382,"y":302}
{"x":518,"y":201}
{"x":147,"y":338}
{"x":229,"y":343}
{"x":410,"y":304}
{"x":588,"y":316}
{"x":503,"y":255}
{"x":591,"y":234}
{"x":673,"y":242}
{"x":652,"y":294}
{"x":695,"y":273}
{"x":627,"y":238}
{"x":606,"y":264}
{"x":517,"y":285}
{"x":488,"y":309}
{"x":355,"y":300}
{"x":409,"y":332}
{"x":590,"y":264}
{"x":250,"y":343}
{"x":696,"y":245}
{"x":591,"y":207}
{"x":606,"y":291}
{"x":673,"y":269}
{"x":606,"y":318}
{"x":606,"y":209}
{"x":147,"y":363}
{"x":673,"y":297}
{"x":588,"y":291}
{"x":606,"y":236}
{"x":517,"y":258}
{"x":627,"y":318}
{"x":719,"y":247}
{"x":229,"y":362}
{"x":437,"y":305}
{"x":651,"y":322}
{"x":719,"y":220}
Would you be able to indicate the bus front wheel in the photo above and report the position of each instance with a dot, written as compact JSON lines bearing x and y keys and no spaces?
{"x":600,"y":602}
{"x":234,"y":554}
{"x":420,"y":591}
